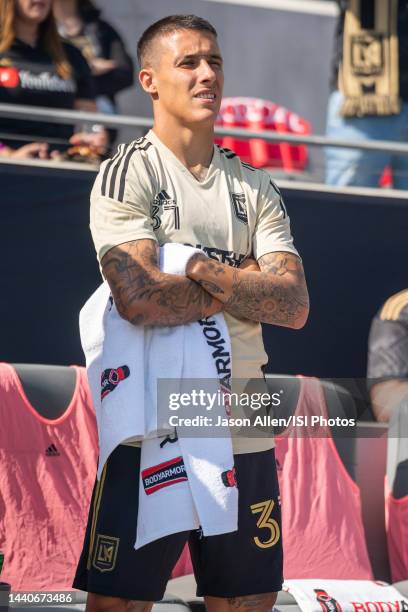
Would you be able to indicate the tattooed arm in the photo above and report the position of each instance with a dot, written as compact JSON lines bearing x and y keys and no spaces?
{"x":146,"y":296}
{"x":276,"y":294}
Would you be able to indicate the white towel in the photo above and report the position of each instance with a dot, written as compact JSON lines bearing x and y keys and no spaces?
{"x":205,"y":452}
{"x":132,"y":359}
{"x":92,"y":321}
{"x":344,"y":595}
{"x":165,"y":499}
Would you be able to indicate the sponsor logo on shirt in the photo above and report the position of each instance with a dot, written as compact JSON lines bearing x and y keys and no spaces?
{"x":9,"y":77}
{"x":229,"y":478}
{"x":163,"y":201}
{"x":163,"y":475}
{"x":46,"y":81}
{"x":111,"y":377}
{"x":228,"y":257}
{"x":52,"y":451}
{"x":106,"y":552}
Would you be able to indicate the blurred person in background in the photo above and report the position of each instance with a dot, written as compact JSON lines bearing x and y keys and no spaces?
{"x":369,"y":99}
{"x":38,"y":69}
{"x":79,"y":22}
{"x":387,"y":372}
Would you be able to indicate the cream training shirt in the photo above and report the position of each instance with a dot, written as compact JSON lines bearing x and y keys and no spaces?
{"x":144,"y":191}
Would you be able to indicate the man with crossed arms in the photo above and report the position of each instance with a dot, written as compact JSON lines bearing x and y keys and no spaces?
{"x":174,"y":185}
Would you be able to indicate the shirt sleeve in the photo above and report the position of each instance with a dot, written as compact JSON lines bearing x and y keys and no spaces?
{"x":123,"y":75}
{"x":121,"y":201}
{"x":388,"y":348}
{"x":82,"y":74}
{"x":272,"y":229}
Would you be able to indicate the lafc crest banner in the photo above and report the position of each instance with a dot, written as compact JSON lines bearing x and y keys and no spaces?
{"x":346,"y":596}
{"x":368,"y":75}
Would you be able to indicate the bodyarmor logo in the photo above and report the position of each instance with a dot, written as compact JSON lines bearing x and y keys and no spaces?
{"x":219,"y":353}
{"x":163,"y":475}
{"x":240,"y":209}
{"x":111,"y":378}
{"x":328,"y":604}
{"x":106,"y":551}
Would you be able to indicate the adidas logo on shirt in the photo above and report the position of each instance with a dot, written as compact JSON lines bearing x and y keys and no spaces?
{"x":166,"y":202}
{"x":52,"y":451}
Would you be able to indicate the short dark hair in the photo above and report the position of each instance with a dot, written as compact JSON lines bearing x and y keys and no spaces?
{"x":168,"y":25}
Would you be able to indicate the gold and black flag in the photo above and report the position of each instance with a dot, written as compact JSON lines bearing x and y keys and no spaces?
{"x":369,"y":72}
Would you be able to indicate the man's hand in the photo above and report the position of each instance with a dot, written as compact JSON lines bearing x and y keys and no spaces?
{"x":250,"y":265}
{"x":276,"y":294}
{"x":146,"y":296}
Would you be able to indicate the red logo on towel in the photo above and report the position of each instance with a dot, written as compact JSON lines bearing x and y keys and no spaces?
{"x":111,"y":378}
{"x":163,"y":475}
{"x":328,"y":603}
{"x":229,"y":478}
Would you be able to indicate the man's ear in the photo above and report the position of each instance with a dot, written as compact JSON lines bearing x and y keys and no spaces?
{"x":148,"y":81}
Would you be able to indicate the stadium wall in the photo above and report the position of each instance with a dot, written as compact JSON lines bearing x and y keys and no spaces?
{"x":353,"y":245}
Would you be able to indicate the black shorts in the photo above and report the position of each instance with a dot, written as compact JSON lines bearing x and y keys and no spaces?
{"x":246,"y":562}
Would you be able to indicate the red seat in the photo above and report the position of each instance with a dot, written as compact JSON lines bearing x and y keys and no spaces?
{"x":257,"y":114}
{"x":386,"y":179}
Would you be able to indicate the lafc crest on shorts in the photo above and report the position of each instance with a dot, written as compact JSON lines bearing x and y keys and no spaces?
{"x":106,"y":552}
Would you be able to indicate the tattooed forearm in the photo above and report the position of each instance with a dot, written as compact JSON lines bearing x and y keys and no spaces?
{"x":145,"y":296}
{"x":212,"y":288}
{"x":276,"y":294}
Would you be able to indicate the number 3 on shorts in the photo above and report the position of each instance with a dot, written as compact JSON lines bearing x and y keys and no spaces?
{"x":265,"y":521}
